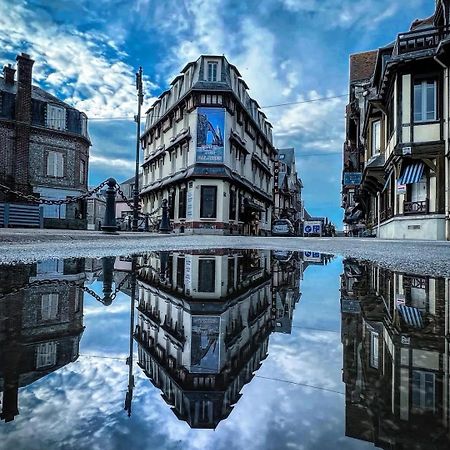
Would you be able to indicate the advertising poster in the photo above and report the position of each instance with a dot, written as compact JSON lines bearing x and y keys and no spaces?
{"x":210,"y":135}
{"x":205,"y":354}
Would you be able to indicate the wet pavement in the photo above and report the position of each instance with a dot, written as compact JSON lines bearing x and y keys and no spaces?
{"x":222,"y":349}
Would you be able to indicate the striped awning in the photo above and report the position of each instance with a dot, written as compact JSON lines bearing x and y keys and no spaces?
{"x":388,"y":178}
{"x":412,"y":316}
{"x":412,"y":173}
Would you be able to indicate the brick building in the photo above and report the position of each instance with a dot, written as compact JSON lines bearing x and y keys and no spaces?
{"x":44,"y":146}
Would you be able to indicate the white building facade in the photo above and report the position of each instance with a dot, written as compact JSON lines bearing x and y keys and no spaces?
{"x":208,"y":150}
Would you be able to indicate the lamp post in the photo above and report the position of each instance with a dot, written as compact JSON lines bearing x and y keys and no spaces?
{"x":137,"y":118}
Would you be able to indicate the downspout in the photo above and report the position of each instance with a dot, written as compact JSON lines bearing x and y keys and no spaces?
{"x":446,"y":145}
{"x":378,"y":213}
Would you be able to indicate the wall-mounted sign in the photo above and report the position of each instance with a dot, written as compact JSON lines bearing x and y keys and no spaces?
{"x":190,"y":204}
{"x":401,"y":188}
{"x":352,"y":178}
{"x":406,"y":150}
{"x":312,"y":256}
{"x":350,"y":306}
{"x":210,"y":135}
{"x":312,"y":227}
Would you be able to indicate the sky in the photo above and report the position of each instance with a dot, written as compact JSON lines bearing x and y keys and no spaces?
{"x":87,"y":52}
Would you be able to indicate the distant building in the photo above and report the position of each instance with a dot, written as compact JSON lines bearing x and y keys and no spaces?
{"x":288,"y":203}
{"x":208,"y":150}
{"x":96,"y":206}
{"x":40,"y":325}
{"x":44,"y":147}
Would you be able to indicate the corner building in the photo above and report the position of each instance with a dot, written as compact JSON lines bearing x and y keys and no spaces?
{"x":208,"y":150}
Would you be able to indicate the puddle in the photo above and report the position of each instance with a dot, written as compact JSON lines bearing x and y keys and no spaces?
{"x":223,"y":349}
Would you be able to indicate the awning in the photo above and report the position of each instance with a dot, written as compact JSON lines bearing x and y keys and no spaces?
{"x":388,"y":178}
{"x":412,"y":173}
{"x":412,"y":316}
{"x":252,"y":205}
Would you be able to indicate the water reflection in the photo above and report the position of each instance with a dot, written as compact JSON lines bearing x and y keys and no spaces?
{"x":396,"y":357}
{"x":204,"y":323}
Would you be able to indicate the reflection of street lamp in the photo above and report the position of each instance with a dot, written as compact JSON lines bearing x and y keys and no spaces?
{"x":108,"y":276}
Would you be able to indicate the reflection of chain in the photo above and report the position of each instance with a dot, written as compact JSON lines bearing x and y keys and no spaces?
{"x":69,"y":283}
{"x":131,"y":205}
{"x":44,"y":201}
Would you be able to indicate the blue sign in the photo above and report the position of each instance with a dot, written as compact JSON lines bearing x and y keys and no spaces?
{"x":352,"y":178}
{"x":210,"y":135}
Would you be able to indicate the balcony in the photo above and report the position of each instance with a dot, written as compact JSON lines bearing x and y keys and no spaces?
{"x":421,"y":207}
{"x":386,"y":214}
{"x":416,"y":40}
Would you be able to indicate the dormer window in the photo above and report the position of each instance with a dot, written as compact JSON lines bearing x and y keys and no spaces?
{"x":56,"y":117}
{"x":212,"y":71}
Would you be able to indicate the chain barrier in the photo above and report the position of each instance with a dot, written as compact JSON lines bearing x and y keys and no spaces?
{"x":69,"y":283}
{"x":131,"y":205}
{"x":32,"y":198}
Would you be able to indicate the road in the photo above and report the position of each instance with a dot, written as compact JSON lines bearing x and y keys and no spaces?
{"x":415,"y":257}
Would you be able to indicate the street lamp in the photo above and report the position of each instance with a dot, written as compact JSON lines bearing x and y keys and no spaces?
{"x":137,"y":118}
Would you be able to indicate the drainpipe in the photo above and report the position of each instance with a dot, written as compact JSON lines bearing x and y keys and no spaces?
{"x":378,"y":213}
{"x":446,"y":141}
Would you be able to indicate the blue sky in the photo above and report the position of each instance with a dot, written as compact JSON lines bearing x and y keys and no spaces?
{"x":286,"y":50}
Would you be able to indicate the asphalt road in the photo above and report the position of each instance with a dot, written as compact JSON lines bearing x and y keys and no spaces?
{"x":415,"y":257}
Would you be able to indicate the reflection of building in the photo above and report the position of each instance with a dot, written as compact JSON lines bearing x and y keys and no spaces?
{"x":288,"y":203}
{"x":203,"y":328}
{"x":40,"y":324}
{"x":396,"y":361}
{"x":44,"y":147}
{"x":287,"y":272}
{"x":208,"y":150}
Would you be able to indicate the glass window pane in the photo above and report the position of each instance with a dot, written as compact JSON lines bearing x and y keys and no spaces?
{"x":418,"y":102}
{"x":206,"y":275}
{"x":208,"y":202}
{"x":431,"y":106}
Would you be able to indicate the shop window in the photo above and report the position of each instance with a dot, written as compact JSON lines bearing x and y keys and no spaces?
{"x":182,"y":204}
{"x":208,"y":202}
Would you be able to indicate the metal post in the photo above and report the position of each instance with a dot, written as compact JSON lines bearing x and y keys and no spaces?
{"x":108,"y":277}
{"x":109,"y":222}
{"x":146,"y":223}
{"x":137,"y":118}
{"x":164,"y":227}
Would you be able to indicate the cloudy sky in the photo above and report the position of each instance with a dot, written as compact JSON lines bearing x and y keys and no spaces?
{"x":287,"y":51}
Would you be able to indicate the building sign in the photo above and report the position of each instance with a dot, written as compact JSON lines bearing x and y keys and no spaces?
{"x":352,"y":178}
{"x":190,"y":204}
{"x":210,"y":135}
{"x":312,"y":256}
{"x":312,"y":227}
{"x":401,"y":188}
{"x":350,"y":306}
{"x":205,"y":346}
{"x":276,"y":167}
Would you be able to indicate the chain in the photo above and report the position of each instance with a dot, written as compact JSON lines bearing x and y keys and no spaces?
{"x":32,"y":198}
{"x":125,"y":199}
{"x":69,"y":283}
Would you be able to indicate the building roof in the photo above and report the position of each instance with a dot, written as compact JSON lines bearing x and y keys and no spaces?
{"x":362,"y":65}
{"x":286,"y":155}
{"x":422,"y":23}
{"x":36,"y":93}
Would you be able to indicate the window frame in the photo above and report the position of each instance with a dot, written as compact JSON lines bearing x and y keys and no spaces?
{"x":424,"y":100}
{"x":211,"y":75}
{"x":52,"y":169}
{"x":204,"y":188}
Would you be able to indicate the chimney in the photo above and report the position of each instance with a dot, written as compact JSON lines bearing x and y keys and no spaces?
{"x":8,"y":74}
{"x":23,"y":122}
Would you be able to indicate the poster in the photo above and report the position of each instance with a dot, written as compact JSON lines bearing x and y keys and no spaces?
{"x":210,"y":135}
{"x":205,"y":355}
{"x":190,"y":204}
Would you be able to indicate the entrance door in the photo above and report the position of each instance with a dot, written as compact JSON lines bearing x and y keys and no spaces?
{"x":419,"y":190}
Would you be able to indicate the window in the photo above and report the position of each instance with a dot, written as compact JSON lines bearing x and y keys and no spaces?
{"x":172,"y":205}
{"x":232,"y":205}
{"x":208,"y":204}
{"x":425,"y":101}
{"x":419,"y":190}
{"x":374,"y":350}
{"x":46,"y":355}
{"x":376,"y":137}
{"x":82,"y":172}
{"x":423,"y":390}
{"x":180,"y":271}
{"x":56,"y":117}
{"x":391,"y":116}
{"x":49,"y":306}
{"x":212,"y":71}
{"x":206,"y":275}
{"x":182,"y":204}
{"x":55,"y":164}
{"x":173,"y":163}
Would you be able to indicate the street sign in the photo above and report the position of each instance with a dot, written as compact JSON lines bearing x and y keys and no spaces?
{"x":313,"y":227}
{"x":352,"y":178}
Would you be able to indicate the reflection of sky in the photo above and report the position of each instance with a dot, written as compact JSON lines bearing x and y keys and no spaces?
{"x":81,"y":405}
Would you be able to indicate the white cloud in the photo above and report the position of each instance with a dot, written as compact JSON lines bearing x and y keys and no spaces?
{"x":87,"y":68}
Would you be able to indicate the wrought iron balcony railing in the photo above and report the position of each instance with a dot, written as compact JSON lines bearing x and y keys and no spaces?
{"x":421,"y":207}
{"x":424,"y":39}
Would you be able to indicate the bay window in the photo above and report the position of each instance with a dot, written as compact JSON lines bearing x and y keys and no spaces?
{"x":425,"y":101}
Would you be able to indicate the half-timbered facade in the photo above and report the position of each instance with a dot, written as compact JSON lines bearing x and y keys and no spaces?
{"x":208,"y":151}
{"x":403,"y":191}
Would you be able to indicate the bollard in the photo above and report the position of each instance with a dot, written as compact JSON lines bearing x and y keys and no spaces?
{"x":108,"y":277}
{"x":109,"y":222}
{"x":164,"y":226}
